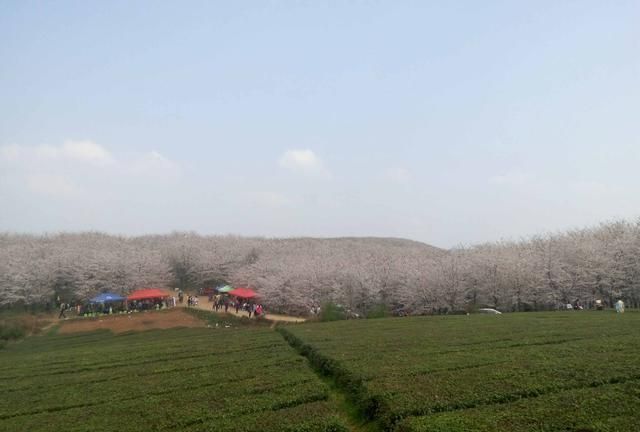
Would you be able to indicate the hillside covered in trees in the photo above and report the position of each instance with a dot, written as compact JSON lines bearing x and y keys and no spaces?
{"x":293,"y":275}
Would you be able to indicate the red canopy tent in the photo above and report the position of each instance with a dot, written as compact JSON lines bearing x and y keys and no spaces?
{"x":150,"y":293}
{"x":243,"y":293}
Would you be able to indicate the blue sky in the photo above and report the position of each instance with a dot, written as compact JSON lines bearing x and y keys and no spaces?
{"x":444,"y":122}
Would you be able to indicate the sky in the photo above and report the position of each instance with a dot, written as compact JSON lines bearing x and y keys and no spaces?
{"x":443,"y":122}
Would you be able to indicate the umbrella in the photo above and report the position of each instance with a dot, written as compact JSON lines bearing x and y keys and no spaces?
{"x":243,"y":293}
{"x":224,"y":289}
{"x":107,"y":298}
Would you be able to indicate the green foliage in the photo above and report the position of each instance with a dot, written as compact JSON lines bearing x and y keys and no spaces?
{"x":215,"y":319}
{"x":11,"y":330}
{"x":519,"y":372}
{"x":400,"y":369}
{"x":183,"y":270}
{"x":378,"y":311}
{"x":14,"y":326}
{"x":609,"y":408}
{"x":331,"y":312}
{"x":64,"y":287}
{"x":353,"y":385}
{"x":216,"y":379}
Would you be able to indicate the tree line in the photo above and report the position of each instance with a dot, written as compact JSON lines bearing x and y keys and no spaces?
{"x":362,"y":274}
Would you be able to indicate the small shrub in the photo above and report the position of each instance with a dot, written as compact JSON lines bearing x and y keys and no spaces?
{"x":332,"y":312}
{"x":378,"y":311}
{"x":11,"y":330}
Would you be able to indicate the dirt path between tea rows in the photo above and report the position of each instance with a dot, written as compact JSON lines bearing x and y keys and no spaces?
{"x":140,"y":321}
{"x":203,"y":304}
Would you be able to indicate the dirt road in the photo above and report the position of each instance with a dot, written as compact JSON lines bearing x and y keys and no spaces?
{"x":205,"y":305}
{"x":135,"y":321}
{"x":155,"y":320}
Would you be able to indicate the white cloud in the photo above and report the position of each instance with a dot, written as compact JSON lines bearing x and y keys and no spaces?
{"x":44,"y":151}
{"x":80,"y":151}
{"x":55,"y":186}
{"x":10,"y":152}
{"x":398,"y":175}
{"x":303,"y":162}
{"x":69,"y":170}
{"x":154,"y":164}
{"x":85,"y":151}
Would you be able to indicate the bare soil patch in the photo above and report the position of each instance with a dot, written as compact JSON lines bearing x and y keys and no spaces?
{"x":133,"y":322}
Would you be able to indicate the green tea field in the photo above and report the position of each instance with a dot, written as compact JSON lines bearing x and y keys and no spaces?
{"x":517,"y":372}
{"x":563,"y":371}
{"x":161,"y":380}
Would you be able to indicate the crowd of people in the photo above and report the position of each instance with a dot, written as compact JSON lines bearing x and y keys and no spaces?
{"x":225,"y":302}
{"x":192,"y":301}
{"x":92,"y":309}
{"x":219,"y":302}
{"x":597,"y":305}
{"x":152,"y":304}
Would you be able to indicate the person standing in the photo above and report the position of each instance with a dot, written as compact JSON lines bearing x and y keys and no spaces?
{"x":63,"y":307}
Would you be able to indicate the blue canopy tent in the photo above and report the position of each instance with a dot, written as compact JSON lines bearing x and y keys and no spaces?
{"x":107,"y":298}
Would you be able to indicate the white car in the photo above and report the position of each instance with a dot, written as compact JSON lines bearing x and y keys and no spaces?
{"x":490,"y":311}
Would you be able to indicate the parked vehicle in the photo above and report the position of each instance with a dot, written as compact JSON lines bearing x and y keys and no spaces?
{"x":489,"y":311}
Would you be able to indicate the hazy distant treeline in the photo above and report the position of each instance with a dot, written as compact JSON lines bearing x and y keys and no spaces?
{"x":293,"y":275}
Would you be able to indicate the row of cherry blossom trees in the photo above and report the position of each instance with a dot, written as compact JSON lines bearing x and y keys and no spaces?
{"x":294,"y":275}
{"x":577,"y":266}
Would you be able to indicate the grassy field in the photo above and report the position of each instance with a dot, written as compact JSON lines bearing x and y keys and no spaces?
{"x":575,"y":371}
{"x":539,"y":371}
{"x":235,"y":379}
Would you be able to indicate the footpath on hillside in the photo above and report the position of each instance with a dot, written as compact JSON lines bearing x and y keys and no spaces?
{"x":119,"y":323}
{"x":204,"y":304}
{"x":166,"y":318}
